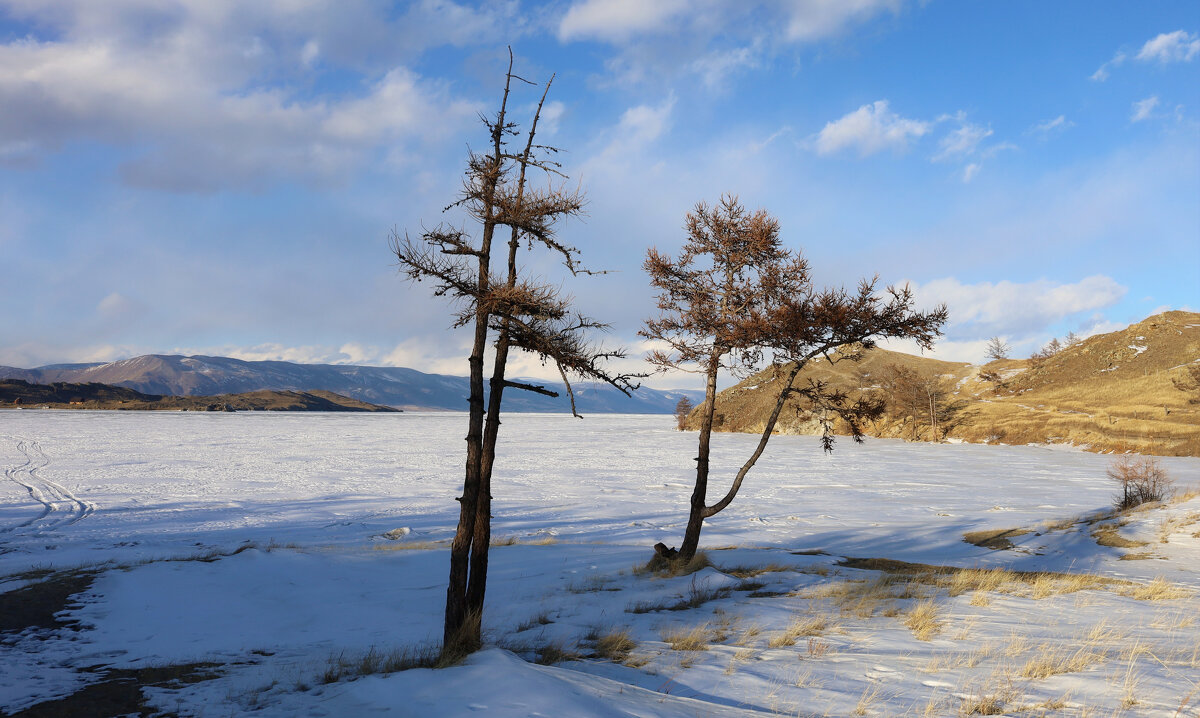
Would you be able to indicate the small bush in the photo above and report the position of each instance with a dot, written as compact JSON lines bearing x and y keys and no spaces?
{"x":1142,"y":479}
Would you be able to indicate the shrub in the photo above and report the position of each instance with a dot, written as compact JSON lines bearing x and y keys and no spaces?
{"x":1142,"y":480}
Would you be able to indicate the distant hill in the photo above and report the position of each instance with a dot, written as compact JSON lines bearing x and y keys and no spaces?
{"x":1108,"y":392}
{"x":390,"y":386}
{"x":64,"y":395}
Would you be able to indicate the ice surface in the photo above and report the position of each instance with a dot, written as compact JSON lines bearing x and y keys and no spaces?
{"x":315,"y":494}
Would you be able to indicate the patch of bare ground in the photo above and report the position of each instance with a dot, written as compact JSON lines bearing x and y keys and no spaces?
{"x":996,"y":539}
{"x":1107,"y":534}
{"x":38,"y":604}
{"x":119,"y":692}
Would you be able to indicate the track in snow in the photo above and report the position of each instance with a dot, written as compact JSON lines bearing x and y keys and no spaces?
{"x":59,"y":506}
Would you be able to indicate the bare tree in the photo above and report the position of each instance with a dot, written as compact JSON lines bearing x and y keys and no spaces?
{"x":508,"y":309}
{"x":997,"y":348}
{"x":682,"y":409}
{"x":735,"y":298}
{"x":1142,"y":479}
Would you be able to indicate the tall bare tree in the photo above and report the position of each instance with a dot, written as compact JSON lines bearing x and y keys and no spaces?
{"x":508,"y":310}
{"x":735,"y":298}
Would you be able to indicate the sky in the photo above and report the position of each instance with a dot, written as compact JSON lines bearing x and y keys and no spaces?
{"x":221,"y":177}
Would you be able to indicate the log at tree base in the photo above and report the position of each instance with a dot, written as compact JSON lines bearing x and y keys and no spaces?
{"x":664,"y":552}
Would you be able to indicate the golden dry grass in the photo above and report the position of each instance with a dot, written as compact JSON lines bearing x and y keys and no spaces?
{"x":616,"y":645}
{"x":798,"y":628}
{"x":1052,"y":660}
{"x":924,"y":620}
{"x":1160,"y":589}
{"x":696,"y":638}
{"x":1101,"y":393}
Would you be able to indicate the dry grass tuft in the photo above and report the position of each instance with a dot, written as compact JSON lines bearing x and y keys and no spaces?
{"x":660,"y":566}
{"x":538,"y":619}
{"x":556,"y":652}
{"x":697,"y":595}
{"x":342,"y":667}
{"x":974,"y":579}
{"x":924,"y":620}
{"x":685,"y":639}
{"x":1054,"y":660}
{"x":865,"y":701}
{"x":615,"y":645}
{"x":1160,"y":589}
{"x":798,"y":628}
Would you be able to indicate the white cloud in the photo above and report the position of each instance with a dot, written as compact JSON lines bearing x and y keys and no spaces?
{"x":799,"y":20}
{"x":869,"y":129}
{"x":116,"y":305}
{"x":1144,"y":109}
{"x":963,"y":141}
{"x":970,"y":171}
{"x":1167,"y":47}
{"x":1014,"y":307}
{"x":616,"y":20}
{"x":811,"y":20}
{"x":310,"y":52}
{"x":1101,"y":74}
{"x":1058,"y":124}
{"x":1020,"y":312}
{"x":1178,"y":46}
{"x":184,"y":86}
{"x":716,"y":66}
{"x":637,"y":129}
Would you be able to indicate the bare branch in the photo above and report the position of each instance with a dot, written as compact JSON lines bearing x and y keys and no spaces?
{"x":536,"y":389}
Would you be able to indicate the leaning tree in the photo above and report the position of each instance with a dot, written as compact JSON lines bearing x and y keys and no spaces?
{"x":508,"y":310}
{"x":735,"y":299}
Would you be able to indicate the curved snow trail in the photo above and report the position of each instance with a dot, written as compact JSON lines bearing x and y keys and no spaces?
{"x":60,"y":507}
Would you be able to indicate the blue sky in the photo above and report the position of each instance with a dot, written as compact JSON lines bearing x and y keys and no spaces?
{"x":213,"y":176}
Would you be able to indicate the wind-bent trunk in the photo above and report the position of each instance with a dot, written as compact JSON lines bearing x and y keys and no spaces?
{"x":699,"y":511}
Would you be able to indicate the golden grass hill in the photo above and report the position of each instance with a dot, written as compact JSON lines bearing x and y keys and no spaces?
{"x":1137,"y":390}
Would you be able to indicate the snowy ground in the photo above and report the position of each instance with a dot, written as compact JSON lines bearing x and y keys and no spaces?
{"x":309,"y":497}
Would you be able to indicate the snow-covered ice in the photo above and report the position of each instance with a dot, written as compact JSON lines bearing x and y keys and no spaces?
{"x":342,"y":521}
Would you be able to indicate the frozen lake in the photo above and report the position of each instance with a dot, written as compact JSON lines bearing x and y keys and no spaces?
{"x":147,"y":484}
{"x":585,"y":499}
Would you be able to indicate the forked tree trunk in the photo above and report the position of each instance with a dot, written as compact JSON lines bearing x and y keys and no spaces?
{"x":461,"y":630}
{"x":482,"y":539}
{"x":699,"y":511}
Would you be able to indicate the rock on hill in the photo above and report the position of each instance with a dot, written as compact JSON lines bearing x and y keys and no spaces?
{"x":391,"y":386}
{"x":1111,"y":391}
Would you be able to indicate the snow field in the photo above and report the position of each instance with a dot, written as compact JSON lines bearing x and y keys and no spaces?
{"x":583,"y":501}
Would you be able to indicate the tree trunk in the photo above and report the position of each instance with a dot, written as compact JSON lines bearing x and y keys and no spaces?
{"x":691,"y":536}
{"x":459,"y":633}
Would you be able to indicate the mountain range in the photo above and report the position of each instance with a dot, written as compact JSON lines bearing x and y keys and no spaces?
{"x":398,"y":387}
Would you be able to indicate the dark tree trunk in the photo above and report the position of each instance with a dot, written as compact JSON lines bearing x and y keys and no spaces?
{"x":691,"y":536}
{"x":461,"y":629}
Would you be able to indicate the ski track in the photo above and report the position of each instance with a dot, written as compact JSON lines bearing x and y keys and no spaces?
{"x":60,"y":507}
